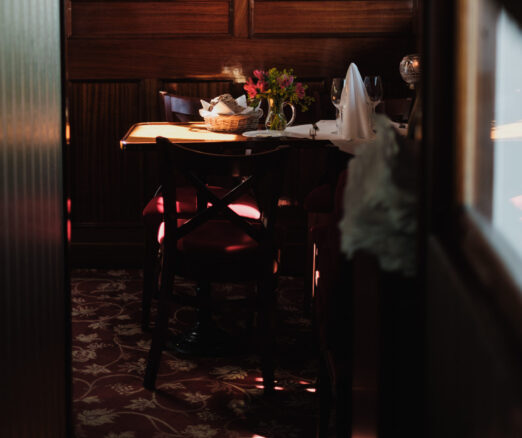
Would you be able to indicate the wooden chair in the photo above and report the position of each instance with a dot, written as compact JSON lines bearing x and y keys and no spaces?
{"x":153,"y":217}
{"x":176,"y":108}
{"x":173,"y":108}
{"x":398,"y":109}
{"x":217,"y":244}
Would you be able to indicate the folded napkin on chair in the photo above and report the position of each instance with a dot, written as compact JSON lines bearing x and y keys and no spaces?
{"x":355,"y":106}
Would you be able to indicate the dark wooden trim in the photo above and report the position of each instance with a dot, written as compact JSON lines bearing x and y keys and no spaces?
{"x":241,"y":18}
{"x":488,"y":256}
{"x":438,"y":151}
{"x":473,"y":357}
{"x":106,"y":255}
{"x":188,"y":57}
{"x":251,"y":11}
{"x":473,"y":303}
{"x":67,"y":7}
{"x":462,"y":230}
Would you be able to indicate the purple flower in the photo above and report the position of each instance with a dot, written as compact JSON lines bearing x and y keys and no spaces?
{"x":276,"y":84}
{"x":285,"y":81}
{"x":299,"y":90}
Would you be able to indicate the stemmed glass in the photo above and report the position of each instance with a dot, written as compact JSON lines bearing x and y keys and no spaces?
{"x":335,"y":95}
{"x":373,"y":86}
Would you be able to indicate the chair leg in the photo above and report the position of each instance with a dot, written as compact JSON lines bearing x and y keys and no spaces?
{"x":309,"y":273}
{"x":325,"y":400}
{"x":161,"y":330}
{"x":343,"y":409}
{"x":150,"y":283}
{"x":204,"y":307}
{"x":267,"y":298}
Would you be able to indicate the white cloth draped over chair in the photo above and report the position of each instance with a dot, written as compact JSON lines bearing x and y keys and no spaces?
{"x":379,"y":216}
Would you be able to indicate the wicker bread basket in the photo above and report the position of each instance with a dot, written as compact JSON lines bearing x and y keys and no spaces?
{"x":236,"y":123}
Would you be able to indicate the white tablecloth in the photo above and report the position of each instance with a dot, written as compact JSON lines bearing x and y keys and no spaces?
{"x":327,"y":131}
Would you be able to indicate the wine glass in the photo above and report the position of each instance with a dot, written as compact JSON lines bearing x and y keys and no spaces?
{"x":335,"y":95}
{"x":373,"y":86}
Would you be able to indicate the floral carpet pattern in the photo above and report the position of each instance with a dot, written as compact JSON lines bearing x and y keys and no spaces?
{"x":209,"y":397}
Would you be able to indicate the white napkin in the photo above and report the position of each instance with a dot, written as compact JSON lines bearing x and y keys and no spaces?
{"x":222,"y":108}
{"x":355,"y":107}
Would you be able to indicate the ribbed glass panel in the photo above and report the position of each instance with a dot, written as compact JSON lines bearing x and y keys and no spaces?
{"x":32,"y":297}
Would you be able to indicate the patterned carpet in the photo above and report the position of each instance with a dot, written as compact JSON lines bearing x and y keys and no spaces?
{"x":197,"y":397}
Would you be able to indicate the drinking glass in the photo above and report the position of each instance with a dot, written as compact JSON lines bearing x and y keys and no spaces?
{"x":335,"y":95}
{"x":373,"y":86}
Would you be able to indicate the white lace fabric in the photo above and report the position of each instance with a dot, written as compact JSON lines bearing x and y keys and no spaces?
{"x":379,"y":217}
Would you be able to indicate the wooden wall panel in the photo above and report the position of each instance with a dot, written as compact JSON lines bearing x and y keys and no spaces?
{"x":316,"y":87}
{"x":121,"y":53}
{"x":34,"y":313}
{"x":241,"y":10}
{"x":106,"y":184}
{"x":204,"y":89}
{"x":237,"y":58}
{"x":159,"y":19}
{"x":330,"y":17}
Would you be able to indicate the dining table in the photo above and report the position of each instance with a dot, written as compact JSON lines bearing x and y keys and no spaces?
{"x":310,"y":162}
{"x":317,"y":156}
{"x":312,"y":158}
{"x":317,"y":153}
{"x":142,"y":136}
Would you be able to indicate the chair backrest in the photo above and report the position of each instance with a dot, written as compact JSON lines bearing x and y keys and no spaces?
{"x":176,"y":108}
{"x":257,"y":174}
{"x":398,"y":109}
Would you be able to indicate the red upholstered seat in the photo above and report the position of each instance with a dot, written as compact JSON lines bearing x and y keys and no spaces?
{"x":153,"y":211}
{"x":217,"y":238}
{"x":186,"y":204}
{"x":214,"y":242}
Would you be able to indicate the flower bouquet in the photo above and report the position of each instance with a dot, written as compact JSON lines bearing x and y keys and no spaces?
{"x":279,"y":88}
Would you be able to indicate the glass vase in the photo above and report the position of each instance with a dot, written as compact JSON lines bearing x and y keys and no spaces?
{"x":276,"y":118}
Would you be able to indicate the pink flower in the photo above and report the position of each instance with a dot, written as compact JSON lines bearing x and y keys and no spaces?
{"x":262,"y":86}
{"x":260,"y":74}
{"x":250,"y":88}
{"x":285,"y":81}
{"x":299,"y":90}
